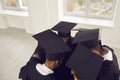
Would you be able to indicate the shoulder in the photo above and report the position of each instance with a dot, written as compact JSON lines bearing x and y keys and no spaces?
{"x":50,"y":77}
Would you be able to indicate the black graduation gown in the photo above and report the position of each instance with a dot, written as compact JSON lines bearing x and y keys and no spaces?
{"x":107,"y":72}
{"x":29,"y":72}
{"x":41,"y":53}
{"x":41,"y":59}
{"x":109,"y":69}
{"x":63,"y":72}
{"x":68,"y":54}
{"x":24,"y":70}
{"x":33,"y":74}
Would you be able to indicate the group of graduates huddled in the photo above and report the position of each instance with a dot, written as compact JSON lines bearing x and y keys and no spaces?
{"x":59,"y":56}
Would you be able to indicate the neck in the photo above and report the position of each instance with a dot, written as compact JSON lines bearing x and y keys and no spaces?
{"x":49,"y":65}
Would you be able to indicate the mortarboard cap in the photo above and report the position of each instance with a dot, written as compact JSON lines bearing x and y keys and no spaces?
{"x":90,"y":43}
{"x":85,"y":63}
{"x":64,"y":28}
{"x":53,"y":45}
{"x":86,"y":35}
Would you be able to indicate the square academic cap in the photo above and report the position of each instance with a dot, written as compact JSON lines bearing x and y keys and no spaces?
{"x":64,"y":28}
{"x":85,"y":63}
{"x":86,"y":35}
{"x":91,"y":43}
{"x":52,"y":44}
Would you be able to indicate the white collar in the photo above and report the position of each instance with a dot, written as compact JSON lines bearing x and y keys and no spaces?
{"x":108,"y":56}
{"x":44,"y":70}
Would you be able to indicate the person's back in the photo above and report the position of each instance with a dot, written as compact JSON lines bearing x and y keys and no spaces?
{"x":55,"y":50}
{"x":38,"y":56}
{"x":107,"y":68}
{"x":110,"y":68}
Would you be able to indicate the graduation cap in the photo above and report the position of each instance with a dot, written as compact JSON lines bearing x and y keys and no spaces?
{"x":85,"y":63}
{"x":53,"y":45}
{"x":86,"y":35}
{"x":90,"y":43}
{"x":88,"y":38}
{"x":64,"y":28}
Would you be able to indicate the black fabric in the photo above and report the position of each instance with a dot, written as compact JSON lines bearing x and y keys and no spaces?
{"x":24,"y":70}
{"x":68,"y":54}
{"x":35,"y":75}
{"x":64,"y":35}
{"x":41,"y":53}
{"x":107,"y":72}
{"x":41,"y":59}
{"x":54,"y":57}
{"x":87,"y":35}
{"x":90,"y":43}
{"x":85,"y":63}
{"x":53,"y":45}
{"x":64,"y":28}
{"x":29,"y":72}
{"x":115,"y":61}
{"x":63,"y":73}
{"x":110,"y":69}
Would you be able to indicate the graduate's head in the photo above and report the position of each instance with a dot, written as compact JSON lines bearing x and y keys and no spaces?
{"x":85,"y":63}
{"x":65,"y":36}
{"x":89,"y":38}
{"x":54,"y":60}
{"x":41,"y":53}
{"x":64,"y":29}
{"x":53,"y":45}
{"x":94,"y":45}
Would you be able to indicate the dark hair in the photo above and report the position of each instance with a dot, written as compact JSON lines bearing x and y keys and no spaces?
{"x":64,"y":35}
{"x":93,"y":44}
{"x":98,"y":47}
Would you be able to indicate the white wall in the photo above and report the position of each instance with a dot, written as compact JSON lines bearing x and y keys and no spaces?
{"x":21,"y":22}
{"x":16,"y":19}
{"x":2,"y":22}
{"x":43,"y":14}
{"x":2,"y":19}
{"x":111,"y":36}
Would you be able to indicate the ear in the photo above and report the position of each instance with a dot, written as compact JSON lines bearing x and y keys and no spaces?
{"x":57,"y":62}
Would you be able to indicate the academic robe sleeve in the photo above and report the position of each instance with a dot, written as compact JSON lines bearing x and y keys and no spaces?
{"x":109,"y":69}
{"x":24,"y":70}
{"x":33,"y":74}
